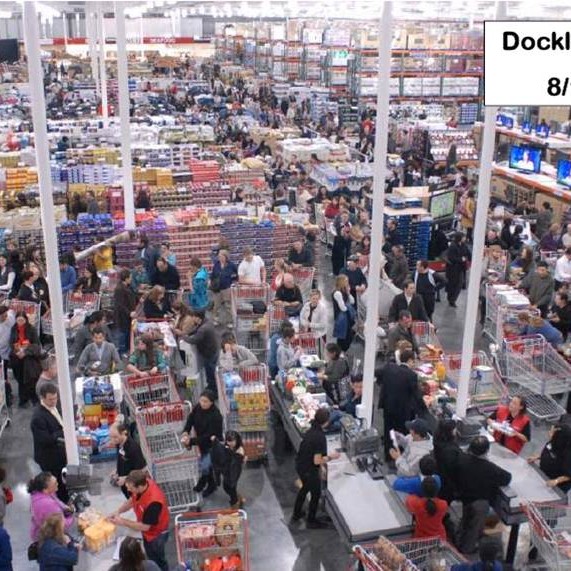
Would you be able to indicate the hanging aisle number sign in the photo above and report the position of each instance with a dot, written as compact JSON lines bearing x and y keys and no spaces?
{"x":527,"y":63}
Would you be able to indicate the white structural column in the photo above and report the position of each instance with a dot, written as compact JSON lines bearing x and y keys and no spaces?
{"x":38,"y":102}
{"x":483,"y":204}
{"x":379,"y":175}
{"x":91,"y":31}
{"x":102,"y":53}
{"x":123,"y":76}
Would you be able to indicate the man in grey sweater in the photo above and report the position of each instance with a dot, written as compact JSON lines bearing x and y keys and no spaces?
{"x":234,"y":355}
{"x":417,"y":444}
{"x":98,"y":357}
{"x":539,"y":286}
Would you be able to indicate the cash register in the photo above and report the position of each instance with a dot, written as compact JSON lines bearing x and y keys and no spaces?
{"x":362,"y":446}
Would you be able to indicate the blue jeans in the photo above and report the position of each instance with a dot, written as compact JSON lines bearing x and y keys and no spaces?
{"x":205,"y":464}
{"x":210,"y":373}
{"x":334,"y":420}
{"x":155,"y":550}
{"x":122,"y":340}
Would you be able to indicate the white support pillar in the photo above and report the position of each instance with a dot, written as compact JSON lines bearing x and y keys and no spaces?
{"x":102,"y":53}
{"x":379,"y":175}
{"x":483,"y":204}
{"x":91,"y":31}
{"x":38,"y":102}
{"x":123,"y":76}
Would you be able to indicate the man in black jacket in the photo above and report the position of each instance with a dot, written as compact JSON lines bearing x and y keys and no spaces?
{"x":479,"y":481}
{"x":207,"y":342}
{"x":124,"y":305}
{"x":47,"y":434}
{"x":300,"y":254}
{"x":166,"y":276}
{"x":561,"y":314}
{"x":400,"y":396}
{"x":408,"y":300}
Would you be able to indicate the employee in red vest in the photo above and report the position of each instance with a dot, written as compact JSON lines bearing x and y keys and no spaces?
{"x":151,"y":510}
{"x":519,"y":431}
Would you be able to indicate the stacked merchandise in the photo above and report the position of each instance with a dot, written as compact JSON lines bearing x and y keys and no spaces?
{"x":15,"y":180}
{"x":153,"y":176}
{"x":115,"y":201}
{"x":244,"y":233}
{"x":166,"y":197}
{"x":209,"y":193}
{"x":94,"y":156}
{"x":88,"y":230}
{"x":99,"y":398}
{"x":239,"y":175}
{"x":88,"y":174}
{"x":212,"y":541}
{"x":154,"y":227}
{"x":183,"y":154}
{"x":152,"y":155}
{"x":205,"y":171}
{"x":245,"y":405}
{"x":194,"y":239}
{"x":414,"y":234}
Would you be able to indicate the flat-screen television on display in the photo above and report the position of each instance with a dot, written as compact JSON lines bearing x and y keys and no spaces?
{"x":504,"y":121}
{"x":525,"y":159}
{"x":542,"y":131}
{"x":526,"y":128}
{"x":9,"y":51}
{"x":564,"y":172}
{"x":442,"y":204}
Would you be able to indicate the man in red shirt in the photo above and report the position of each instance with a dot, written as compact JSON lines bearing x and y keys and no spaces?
{"x":151,"y":510}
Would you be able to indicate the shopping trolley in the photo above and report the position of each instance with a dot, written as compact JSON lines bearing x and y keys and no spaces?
{"x":277,"y":316}
{"x":160,"y":427}
{"x":533,"y":363}
{"x":486,"y":388}
{"x":550,"y":532}
{"x":87,"y":302}
{"x":177,"y":479}
{"x":407,"y":555}
{"x":246,"y":406}
{"x":425,"y":335}
{"x":212,"y":535}
{"x":249,"y":315}
{"x":148,"y":391}
{"x":541,"y":407}
{"x":304,"y":280}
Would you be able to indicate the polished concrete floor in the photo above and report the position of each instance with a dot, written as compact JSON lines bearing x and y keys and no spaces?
{"x":269,"y":490}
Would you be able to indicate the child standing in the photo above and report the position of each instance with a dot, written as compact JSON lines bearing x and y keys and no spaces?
{"x":227,"y":460}
{"x":428,"y":511}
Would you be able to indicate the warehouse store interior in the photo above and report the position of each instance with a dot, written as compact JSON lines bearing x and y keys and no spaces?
{"x":278,"y":291}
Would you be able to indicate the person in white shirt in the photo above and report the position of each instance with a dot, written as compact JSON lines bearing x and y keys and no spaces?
{"x":313,"y":316}
{"x":566,"y":238}
{"x":252,"y":270}
{"x":7,"y":275}
{"x":563,"y":269}
{"x":7,"y":320}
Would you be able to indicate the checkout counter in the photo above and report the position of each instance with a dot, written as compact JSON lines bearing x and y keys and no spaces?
{"x":356,"y":516}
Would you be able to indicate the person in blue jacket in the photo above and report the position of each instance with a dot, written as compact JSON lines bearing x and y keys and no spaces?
{"x":57,"y":551}
{"x":536,"y":325}
{"x":198,"y":279}
{"x":5,"y":550}
{"x":68,"y":276}
{"x":413,"y":485}
{"x":273,"y":352}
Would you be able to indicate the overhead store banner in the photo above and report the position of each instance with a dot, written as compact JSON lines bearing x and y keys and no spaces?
{"x":527,"y":63}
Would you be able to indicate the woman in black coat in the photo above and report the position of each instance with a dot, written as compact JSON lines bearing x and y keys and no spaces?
{"x":204,"y":422}
{"x":25,"y":358}
{"x":227,"y":460}
{"x":341,"y":249}
{"x":456,"y":258}
{"x":446,"y":454}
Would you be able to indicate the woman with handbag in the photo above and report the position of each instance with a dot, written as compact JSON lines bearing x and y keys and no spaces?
{"x":343,"y":312}
{"x":25,"y":358}
{"x":56,"y":550}
{"x":224,"y":274}
{"x":42,"y":490}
